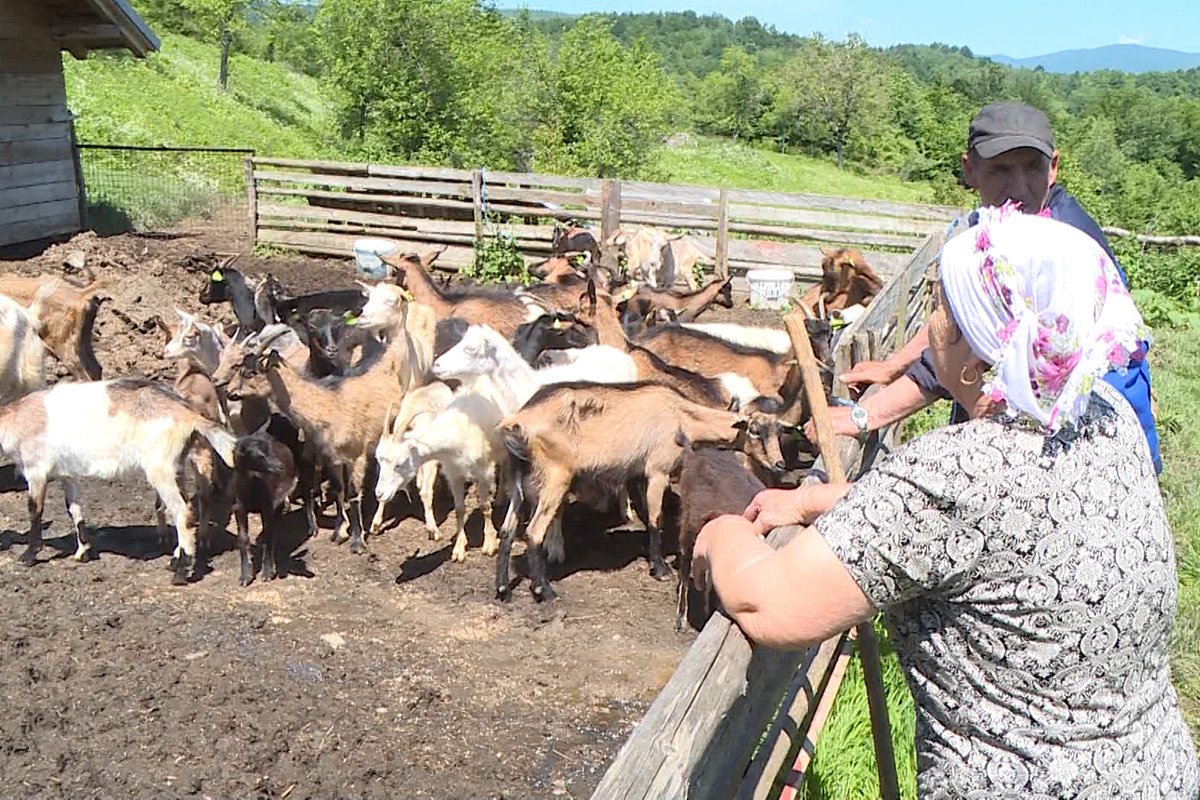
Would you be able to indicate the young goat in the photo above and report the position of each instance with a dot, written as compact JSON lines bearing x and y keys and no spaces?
{"x":846,"y":280}
{"x":22,"y":352}
{"x":65,"y":320}
{"x":463,"y":441}
{"x":106,"y":429}
{"x":228,"y":285}
{"x":263,"y":479}
{"x":567,"y":433}
{"x":711,"y":483}
{"x":686,"y":306}
{"x":417,"y":409}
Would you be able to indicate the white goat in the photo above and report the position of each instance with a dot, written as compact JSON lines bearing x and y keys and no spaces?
{"x":417,"y":409}
{"x":771,"y":339}
{"x":464,"y":441}
{"x":22,"y":352}
{"x":106,"y":429}
{"x":390,"y":312}
{"x":197,"y":342}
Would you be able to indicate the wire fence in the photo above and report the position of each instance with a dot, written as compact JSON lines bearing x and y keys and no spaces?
{"x":168,"y":189}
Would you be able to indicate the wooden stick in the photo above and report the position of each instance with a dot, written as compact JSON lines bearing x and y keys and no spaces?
{"x":819,"y":718}
{"x":815,"y":390}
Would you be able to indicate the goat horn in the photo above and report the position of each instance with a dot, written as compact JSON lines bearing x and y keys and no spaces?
{"x":804,"y":309}
{"x":386,"y":416}
{"x":821,"y":314}
{"x":264,"y":344}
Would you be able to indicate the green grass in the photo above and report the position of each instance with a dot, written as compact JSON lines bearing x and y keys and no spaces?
{"x":720,"y":162}
{"x":172,"y":98}
{"x":844,"y":766}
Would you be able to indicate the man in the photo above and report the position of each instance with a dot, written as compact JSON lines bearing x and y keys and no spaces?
{"x":1010,"y":156}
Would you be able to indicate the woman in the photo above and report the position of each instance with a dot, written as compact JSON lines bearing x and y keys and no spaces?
{"x":1022,"y":560}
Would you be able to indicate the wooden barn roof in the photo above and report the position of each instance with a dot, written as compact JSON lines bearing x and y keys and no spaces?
{"x":79,"y":26}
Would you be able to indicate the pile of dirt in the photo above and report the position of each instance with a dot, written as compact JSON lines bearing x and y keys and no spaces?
{"x":147,"y":276}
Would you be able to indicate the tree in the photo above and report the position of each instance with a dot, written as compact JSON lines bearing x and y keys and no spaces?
{"x":733,"y":97}
{"x":222,"y":18}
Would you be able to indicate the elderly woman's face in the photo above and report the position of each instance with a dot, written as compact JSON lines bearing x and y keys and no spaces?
{"x":953,"y":359}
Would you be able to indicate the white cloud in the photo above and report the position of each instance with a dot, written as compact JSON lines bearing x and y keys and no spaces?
{"x":1139,"y":39}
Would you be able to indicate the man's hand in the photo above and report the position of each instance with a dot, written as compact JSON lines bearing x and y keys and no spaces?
{"x":839,"y":418}
{"x":866,"y":373}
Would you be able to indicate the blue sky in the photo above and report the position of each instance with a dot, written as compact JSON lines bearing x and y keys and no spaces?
{"x":1015,"y":28}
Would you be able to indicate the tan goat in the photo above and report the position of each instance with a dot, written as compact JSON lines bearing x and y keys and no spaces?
{"x":65,"y":322}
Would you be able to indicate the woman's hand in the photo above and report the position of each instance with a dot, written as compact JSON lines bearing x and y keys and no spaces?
{"x":774,"y":508}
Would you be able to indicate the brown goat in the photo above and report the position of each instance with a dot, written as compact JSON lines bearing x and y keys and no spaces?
{"x":687,"y":305}
{"x":497,"y":308}
{"x":568,"y":433}
{"x":65,"y":322}
{"x":711,"y":483}
{"x":846,"y":280}
{"x":711,"y":356}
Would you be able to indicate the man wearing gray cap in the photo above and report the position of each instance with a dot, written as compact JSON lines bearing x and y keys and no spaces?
{"x":1010,"y":156}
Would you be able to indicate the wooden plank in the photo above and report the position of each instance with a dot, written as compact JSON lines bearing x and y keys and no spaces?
{"x":40,"y":89}
{"x":477,"y":203}
{"x":358,"y":229}
{"x":36,"y":151}
{"x":35,"y":114}
{"x":19,"y":175}
{"x":49,"y":210}
{"x":767,"y":253}
{"x":66,"y":223}
{"x":416,"y":224}
{"x":816,"y":724}
{"x":610,"y":222}
{"x":535,"y":196}
{"x":816,"y":201}
{"x":396,"y":185}
{"x":828,"y":219}
{"x":365,"y":197}
{"x":77,"y":179}
{"x":721,"y":250}
{"x":40,"y":193}
{"x":35,"y":132}
{"x":533,"y":179}
{"x":28,"y":57}
{"x":342,"y":246}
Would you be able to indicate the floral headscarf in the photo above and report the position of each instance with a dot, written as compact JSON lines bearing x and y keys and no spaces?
{"x":1042,"y":303}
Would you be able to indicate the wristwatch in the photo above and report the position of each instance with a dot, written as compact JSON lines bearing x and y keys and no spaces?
{"x":858,"y":415}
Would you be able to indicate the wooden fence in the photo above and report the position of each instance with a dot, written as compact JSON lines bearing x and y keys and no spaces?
{"x":321,"y":207}
{"x":739,"y":721}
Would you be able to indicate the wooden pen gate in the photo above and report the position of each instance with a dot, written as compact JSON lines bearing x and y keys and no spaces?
{"x":738,"y":721}
{"x":322,"y":207}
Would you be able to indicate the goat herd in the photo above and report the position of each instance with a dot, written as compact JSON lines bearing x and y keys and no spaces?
{"x":580,"y":388}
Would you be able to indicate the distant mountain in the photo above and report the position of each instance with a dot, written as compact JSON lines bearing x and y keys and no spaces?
{"x":1123,"y":57}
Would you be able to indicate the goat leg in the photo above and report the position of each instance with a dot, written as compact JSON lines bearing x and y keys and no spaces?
{"x":83,"y":542}
{"x":656,"y":488}
{"x":354,"y":488}
{"x":549,"y":505}
{"x":36,"y":501}
{"x":426,"y":483}
{"x":458,"y":488}
{"x":341,"y":522}
{"x":270,"y":565}
{"x":484,"y":495}
{"x":243,"y":537}
{"x":166,"y":484}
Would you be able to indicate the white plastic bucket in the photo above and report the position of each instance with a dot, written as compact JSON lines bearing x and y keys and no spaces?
{"x":368,"y":252}
{"x":769,"y":288}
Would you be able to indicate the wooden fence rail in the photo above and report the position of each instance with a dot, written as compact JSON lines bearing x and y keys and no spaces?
{"x":703,"y":736}
{"x":322,"y":207}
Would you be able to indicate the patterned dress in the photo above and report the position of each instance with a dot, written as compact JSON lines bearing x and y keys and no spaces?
{"x":1030,"y":594}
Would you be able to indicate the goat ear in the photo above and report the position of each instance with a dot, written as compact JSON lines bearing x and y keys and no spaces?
{"x":432,"y":256}
{"x":828,"y":252}
{"x":366,"y":287}
{"x":735,"y":405}
{"x":741,"y":423}
{"x":263,"y":428}
{"x":591,"y":292}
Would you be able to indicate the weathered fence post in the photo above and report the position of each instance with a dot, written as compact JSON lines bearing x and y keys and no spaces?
{"x":477,"y":202}
{"x":610,"y":222}
{"x":251,"y":198}
{"x":722,"y":254}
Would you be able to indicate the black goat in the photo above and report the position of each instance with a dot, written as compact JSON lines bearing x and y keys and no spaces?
{"x":264,"y":477}
{"x":228,"y":285}
{"x":332,"y":339}
{"x":557,"y":331}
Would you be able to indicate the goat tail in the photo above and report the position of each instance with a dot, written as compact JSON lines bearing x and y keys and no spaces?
{"x":222,"y":441}
{"x":84,"y":346}
{"x":34,"y":312}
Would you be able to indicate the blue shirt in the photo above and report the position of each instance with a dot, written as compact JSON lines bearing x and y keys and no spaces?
{"x":1134,"y":384}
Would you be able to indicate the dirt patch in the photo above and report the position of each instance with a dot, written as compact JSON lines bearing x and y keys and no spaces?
{"x":393,"y":674}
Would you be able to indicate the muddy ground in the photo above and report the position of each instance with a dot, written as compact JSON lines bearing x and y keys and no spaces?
{"x":394,"y":674}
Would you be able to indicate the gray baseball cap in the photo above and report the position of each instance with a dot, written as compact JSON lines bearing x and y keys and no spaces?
{"x":1001,"y":127}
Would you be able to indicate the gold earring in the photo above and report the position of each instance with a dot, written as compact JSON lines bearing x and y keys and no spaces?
{"x":968,"y":381}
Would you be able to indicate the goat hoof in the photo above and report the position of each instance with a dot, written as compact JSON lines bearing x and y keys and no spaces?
{"x":544,"y":594}
{"x":83,"y":556}
{"x":660,"y":571}
{"x":246,"y":581}
{"x":29,"y":557}
{"x":503,"y":594}
{"x":458,"y":556}
{"x":434,"y":535}
{"x":183,"y":571}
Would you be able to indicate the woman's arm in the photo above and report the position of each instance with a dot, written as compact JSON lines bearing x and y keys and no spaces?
{"x":787,"y":598}
{"x":774,"y":508}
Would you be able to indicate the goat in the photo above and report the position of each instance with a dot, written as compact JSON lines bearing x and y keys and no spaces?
{"x":462,"y":440}
{"x":342,"y":417}
{"x":687,"y":306}
{"x":417,"y":408}
{"x":332,"y":340}
{"x":228,"y":285}
{"x":106,"y":429}
{"x":711,"y":483}
{"x":22,"y":352}
{"x":643,"y":252}
{"x":551,"y":332}
{"x":388,"y":313}
{"x":708,"y":355}
{"x":761,"y":338}
{"x":65,"y":321}
{"x":495,"y":307}
{"x":683,"y":256}
{"x":568,"y":432}
{"x":846,"y":280}
{"x":263,"y":479}
{"x":571,"y":239}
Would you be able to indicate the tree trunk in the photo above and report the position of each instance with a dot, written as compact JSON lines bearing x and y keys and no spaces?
{"x":226,"y":43}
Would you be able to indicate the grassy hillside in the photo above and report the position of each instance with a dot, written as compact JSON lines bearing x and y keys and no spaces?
{"x":172,"y":98}
{"x":720,"y":162}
